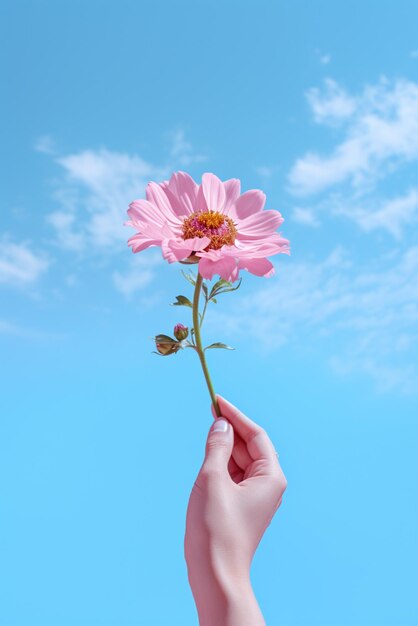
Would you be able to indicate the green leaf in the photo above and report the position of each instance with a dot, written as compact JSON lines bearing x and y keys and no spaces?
{"x":182,"y":301}
{"x":218,"y":285}
{"x":188,"y":276}
{"x":205,"y":289}
{"x":218,"y":344}
{"x":214,"y":300}
{"x":223,"y":286}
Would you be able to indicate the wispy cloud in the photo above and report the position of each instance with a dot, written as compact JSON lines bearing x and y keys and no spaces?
{"x":365,"y":318}
{"x":332,"y":104}
{"x":139,"y":274}
{"x":304,"y":216}
{"x":45,"y":144}
{"x":15,"y":330}
{"x":182,"y":150}
{"x":19,"y":265}
{"x":324,"y":58}
{"x":381,"y":133}
{"x":93,"y":196}
{"x":392,"y":215}
{"x":266,"y":172}
{"x":379,"y":129}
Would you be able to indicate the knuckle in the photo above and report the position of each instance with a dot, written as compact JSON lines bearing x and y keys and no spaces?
{"x":283,"y":481}
{"x":258,"y":431}
{"x":208,"y":474}
{"x":215,"y":443}
{"x":279,"y":482}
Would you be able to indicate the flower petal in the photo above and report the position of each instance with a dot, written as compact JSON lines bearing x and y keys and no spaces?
{"x":250,"y":202}
{"x":179,"y":249}
{"x":182,"y":192}
{"x":147,"y":219}
{"x":138,"y":242}
{"x":259,"y":225}
{"x":142,"y":211}
{"x":232,"y":190}
{"x":260,"y":248}
{"x":157,"y":197}
{"x":197,"y":243}
{"x":214,"y":192}
{"x":184,"y":187}
{"x":259,"y":267}
{"x":226,"y":267}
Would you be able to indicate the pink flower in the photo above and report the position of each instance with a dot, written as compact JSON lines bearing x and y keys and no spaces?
{"x":212,"y":224}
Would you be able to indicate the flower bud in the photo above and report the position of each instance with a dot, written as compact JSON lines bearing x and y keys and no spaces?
{"x":166,"y":345}
{"x":180,"y":332}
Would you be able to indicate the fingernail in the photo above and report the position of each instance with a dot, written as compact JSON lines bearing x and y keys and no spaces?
{"x":220,"y":426}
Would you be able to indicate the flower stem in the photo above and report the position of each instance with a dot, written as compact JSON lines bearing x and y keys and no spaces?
{"x":199,"y":348}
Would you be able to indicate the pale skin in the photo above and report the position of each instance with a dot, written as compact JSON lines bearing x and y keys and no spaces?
{"x":234,"y":498}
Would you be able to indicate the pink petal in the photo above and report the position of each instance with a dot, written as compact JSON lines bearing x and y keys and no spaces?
{"x":148,"y":220}
{"x":179,"y":249}
{"x":183,"y":187}
{"x":138,"y":242}
{"x":214,"y":192}
{"x":226,"y":267}
{"x":261,"y":248}
{"x":197,"y":243}
{"x":141,"y":211}
{"x":232,"y":190}
{"x":157,"y":197}
{"x":259,"y":267}
{"x":259,"y":224}
{"x":200,"y":201}
{"x":250,"y":202}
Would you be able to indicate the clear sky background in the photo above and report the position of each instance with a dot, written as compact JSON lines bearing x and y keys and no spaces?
{"x":316,"y":103}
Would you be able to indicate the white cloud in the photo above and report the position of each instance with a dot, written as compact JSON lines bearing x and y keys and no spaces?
{"x":19,"y":266}
{"x":305,"y":216}
{"x":381,"y":133}
{"x":94,"y":196}
{"x":139,"y":274}
{"x":182,"y":151}
{"x":332,"y":104}
{"x":66,"y":236}
{"x":365,"y":317}
{"x":266,"y":172}
{"x":393,"y":215}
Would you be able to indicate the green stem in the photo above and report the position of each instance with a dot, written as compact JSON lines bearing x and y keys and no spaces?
{"x":202,"y":316}
{"x":199,"y":347}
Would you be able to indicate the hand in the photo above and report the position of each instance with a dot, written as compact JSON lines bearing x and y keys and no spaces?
{"x":235,"y":496}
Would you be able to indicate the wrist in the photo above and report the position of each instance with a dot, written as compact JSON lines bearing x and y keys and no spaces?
{"x":223,"y":594}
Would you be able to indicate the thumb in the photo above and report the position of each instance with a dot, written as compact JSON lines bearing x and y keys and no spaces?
{"x":219,"y":446}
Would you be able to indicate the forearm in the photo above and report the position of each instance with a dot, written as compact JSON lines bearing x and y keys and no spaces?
{"x":223,"y":598}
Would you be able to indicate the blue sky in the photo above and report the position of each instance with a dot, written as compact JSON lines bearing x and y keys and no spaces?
{"x":100,"y":440}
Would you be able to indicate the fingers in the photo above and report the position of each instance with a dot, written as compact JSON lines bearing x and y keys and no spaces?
{"x":257,"y":441}
{"x":235,"y":471}
{"x":240,"y":453}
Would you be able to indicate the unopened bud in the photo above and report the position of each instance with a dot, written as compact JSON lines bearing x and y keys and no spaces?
{"x":181,"y":332}
{"x":166,"y":345}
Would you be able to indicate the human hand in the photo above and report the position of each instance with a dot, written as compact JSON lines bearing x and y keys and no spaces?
{"x":234,"y":498}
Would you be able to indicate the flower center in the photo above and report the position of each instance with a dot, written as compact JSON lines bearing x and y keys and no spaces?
{"x":219,"y":228}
